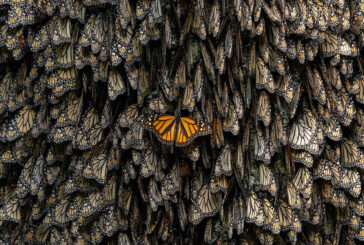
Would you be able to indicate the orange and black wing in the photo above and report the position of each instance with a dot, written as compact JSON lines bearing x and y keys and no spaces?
{"x":163,"y":126}
{"x":188,"y":129}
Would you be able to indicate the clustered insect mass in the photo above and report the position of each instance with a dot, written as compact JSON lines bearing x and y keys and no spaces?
{"x":181,"y":122}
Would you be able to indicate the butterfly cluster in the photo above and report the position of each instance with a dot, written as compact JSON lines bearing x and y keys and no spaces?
{"x":181,"y":122}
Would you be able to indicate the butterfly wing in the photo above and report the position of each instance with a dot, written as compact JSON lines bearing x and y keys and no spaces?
{"x":163,"y":126}
{"x":188,"y":129}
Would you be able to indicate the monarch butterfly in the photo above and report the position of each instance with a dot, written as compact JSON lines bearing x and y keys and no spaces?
{"x":302,"y":179}
{"x":235,"y":219}
{"x":207,"y":204}
{"x":354,"y":221}
{"x":311,"y":50}
{"x":279,"y":41}
{"x":116,"y":84}
{"x":155,"y":13}
{"x":359,"y":207}
{"x":64,"y":55}
{"x":106,"y":115}
{"x":303,"y":133}
{"x":92,"y":203}
{"x":179,"y":131}
{"x":294,"y":198}
{"x":271,"y":221}
{"x":37,"y":175}
{"x":168,"y":33}
{"x":231,"y":121}
{"x":38,"y":209}
{"x":125,"y":14}
{"x":238,"y":104}
{"x":75,"y":183}
{"x":129,"y":115}
{"x":208,"y":62}
{"x":278,"y":134}
{"x":128,"y":172}
{"x":74,"y":207}
{"x":21,"y":15}
{"x":150,"y":163}
{"x":339,"y":199}
{"x":350,"y":153}
{"x":220,"y":57}
{"x":267,"y":180}
{"x":97,"y":168}
{"x":124,"y":200}
{"x":158,"y":105}
{"x":59,"y":211}
{"x":244,"y":14}
{"x":291,"y":11}
{"x":20,"y":124}
{"x":219,"y":183}
{"x":359,"y":96}
{"x":333,"y":130}
{"x":71,"y":115}
{"x":147,"y":33}
{"x":109,"y":222}
{"x":262,"y":151}
{"x":189,"y":99}
{"x":170,"y":91}
{"x":99,"y":33}
{"x":350,"y":180}
{"x":180,"y":76}
{"x":285,"y":215}
{"x":172,"y":182}
{"x":110,"y":190}
{"x":254,"y":210}
{"x":133,"y":138}
{"x":96,"y":236}
{"x":89,"y":133}
{"x":273,"y":12}
{"x":264,"y":108}
{"x":214,"y":19}
{"x":286,"y":87}
{"x":336,"y":174}
{"x":217,"y":137}
{"x":322,"y":170}
{"x":331,"y":44}
{"x":10,"y":211}
{"x":86,"y":32}
{"x":198,"y":26}
{"x":258,"y":28}
{"x":23,"y":185}
{"x":62,"y":77}
{"x":317,"y":85}
{"x":62,"y":31}
{"x":358,"y":134}
{"x":193,"y":152}
{"x":39,"y":234}
{"x":155,"y":198}
{"x":223,"y":165}
{"x":345,"y":107}
{"x":182,"y":214}
{"x":264,"y":78}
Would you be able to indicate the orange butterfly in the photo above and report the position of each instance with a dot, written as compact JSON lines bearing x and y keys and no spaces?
{"x":180,"y":131}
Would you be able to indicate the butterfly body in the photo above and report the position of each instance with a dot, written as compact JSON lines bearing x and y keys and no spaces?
{"x":171,"y":130}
